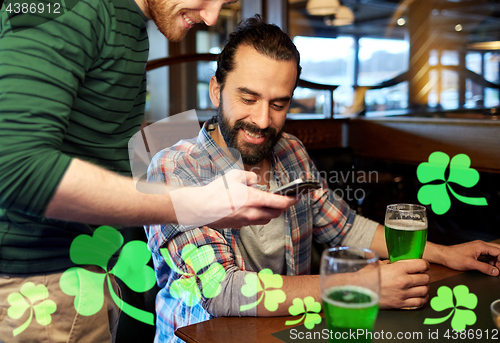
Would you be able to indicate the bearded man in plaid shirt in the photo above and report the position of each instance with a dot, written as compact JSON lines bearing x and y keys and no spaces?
{"x":202,"y":271}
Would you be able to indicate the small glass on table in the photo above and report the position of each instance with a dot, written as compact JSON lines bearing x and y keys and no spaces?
{"x":495,"y":312}
{"x":350,"y":290}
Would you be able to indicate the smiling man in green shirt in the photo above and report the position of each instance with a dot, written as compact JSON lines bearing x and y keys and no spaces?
{"x":72,"y":94}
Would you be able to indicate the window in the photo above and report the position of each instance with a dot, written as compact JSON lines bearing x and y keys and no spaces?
{"x":491,"y":73}
{"x":326,"y":61}
{"x":381,"y":60}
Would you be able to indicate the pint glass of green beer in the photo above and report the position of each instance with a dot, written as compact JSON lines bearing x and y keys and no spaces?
{"x":405,"y":231}
{"x":350,"y":290}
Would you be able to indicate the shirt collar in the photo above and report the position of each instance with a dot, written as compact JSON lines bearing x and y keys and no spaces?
{"x":220,"y":159}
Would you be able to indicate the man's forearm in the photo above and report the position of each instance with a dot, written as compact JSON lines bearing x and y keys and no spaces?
{"x":434,"y":253}
{"x":300,"y":286}
{"x":93,"y":195}
{"x":378,"y":243}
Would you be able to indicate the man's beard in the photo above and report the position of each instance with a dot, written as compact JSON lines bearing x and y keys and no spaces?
{"x":164,"y":13}
{"x":251,"y":154}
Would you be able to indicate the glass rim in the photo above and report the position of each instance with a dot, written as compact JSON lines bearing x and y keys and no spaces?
{"x":493,"y":309}
{"x":412,"y":208}
{"x":373,"y":259}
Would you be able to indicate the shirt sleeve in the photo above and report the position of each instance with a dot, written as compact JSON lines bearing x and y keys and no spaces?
{"x":201,"y":256}
{"x":41,"y":68}
{"x":204,"y":267}
{"x":361,"y":233}
{"x":176,"y":169}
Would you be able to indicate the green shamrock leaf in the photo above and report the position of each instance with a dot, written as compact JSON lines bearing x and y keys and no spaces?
{"x":211,"y":279}
{"x":252,"y":285}
{"x":96,"y":249}
{"x":132,"y":267}
{"x":444,"y":300}
{"x":88,"y":287}
{"x":437,"y":195}
{"x":186,"y":289}
{"x":196,"y":259}
{"x":434,"y":169}
{"x":35,"y":294}
{"x":311,"y":310}
{"x":461,"y":172}
{"x":270,"y":288}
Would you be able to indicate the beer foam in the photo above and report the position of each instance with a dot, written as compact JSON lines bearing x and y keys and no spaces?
{"x":406,"y":225}
{"x":374,"y":296}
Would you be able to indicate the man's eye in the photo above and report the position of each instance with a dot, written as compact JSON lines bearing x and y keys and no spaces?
{"x":247,"y":101}
{"x":278,"y":107}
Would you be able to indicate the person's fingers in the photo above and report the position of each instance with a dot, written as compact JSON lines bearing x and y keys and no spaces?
{"x":484,"y":267}
{"x":414,"y":266}
{"x":266,"y":214}
{"x":495,"y":245}
{"x":415,"y":301}
{"x":416,"y":292}
{"x":250,"y":178}
{"x":269,"y":200}
{"x":486,"y":249}
{"x":421,"y":279}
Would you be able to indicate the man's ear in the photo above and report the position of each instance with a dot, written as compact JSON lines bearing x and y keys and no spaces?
{"x":214,"y":91}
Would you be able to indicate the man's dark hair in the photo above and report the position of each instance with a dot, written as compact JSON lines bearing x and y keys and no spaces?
{"x":267,"y":39}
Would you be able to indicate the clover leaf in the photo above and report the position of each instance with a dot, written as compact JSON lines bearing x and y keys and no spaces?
{"x":35,"y":294}
{"x":196,"y":259}
{"x":311,"y":310}
{"x":444,"y":300}
{"x":132,"y":267}
{"x":97,"y":249}
{"x":267,"y":283}
{"x":437,"y":195}
{"x":88,"y":287}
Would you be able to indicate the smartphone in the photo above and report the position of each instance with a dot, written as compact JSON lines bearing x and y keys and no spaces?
{"x":298,"y":186}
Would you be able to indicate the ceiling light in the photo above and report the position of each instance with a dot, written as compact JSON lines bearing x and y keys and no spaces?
{"x":344,"y":16}
{"x":401,"y":21}
{"x":458,"y":27}
{"x":322,"y":7}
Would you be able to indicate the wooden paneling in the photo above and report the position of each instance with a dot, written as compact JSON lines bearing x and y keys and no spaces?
{"x":317,"y":134}
{"x":412,"y":140}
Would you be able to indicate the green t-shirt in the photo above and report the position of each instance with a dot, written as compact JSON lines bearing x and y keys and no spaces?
{"x":74,"y":86}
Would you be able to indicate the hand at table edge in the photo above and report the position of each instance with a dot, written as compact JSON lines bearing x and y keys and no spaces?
{"x":466,"y":256}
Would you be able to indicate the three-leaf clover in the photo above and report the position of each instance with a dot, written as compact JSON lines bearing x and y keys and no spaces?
{"x":87,"y":286}
{"x":196,"y":259}
{"x":267,"y":283}
{"x":444,"y":300}
{"x":437,"y":195}
{"x":35,"y":294}
{"x":311,"y":310}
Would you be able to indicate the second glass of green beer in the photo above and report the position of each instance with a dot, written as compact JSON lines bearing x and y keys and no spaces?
{"x":350,"y":290}
{"x":405,"y":231}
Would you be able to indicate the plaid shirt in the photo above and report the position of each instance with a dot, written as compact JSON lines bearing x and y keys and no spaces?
{"x":197,"y":162}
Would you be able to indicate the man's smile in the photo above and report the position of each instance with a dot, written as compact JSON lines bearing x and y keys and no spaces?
{"x":254,"y":138}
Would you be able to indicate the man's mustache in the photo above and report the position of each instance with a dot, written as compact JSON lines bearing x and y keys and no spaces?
{"x":269,"y":132}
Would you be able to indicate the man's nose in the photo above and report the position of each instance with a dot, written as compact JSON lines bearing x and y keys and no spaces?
{"x":210,"y":13}
{"x":261,"y":116}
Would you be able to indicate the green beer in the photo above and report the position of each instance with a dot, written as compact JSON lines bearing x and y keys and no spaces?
{"x":406,"y":242}
{"x":347,"y":309}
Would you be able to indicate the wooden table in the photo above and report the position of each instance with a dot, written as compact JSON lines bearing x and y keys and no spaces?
{"x":260,"y":329}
